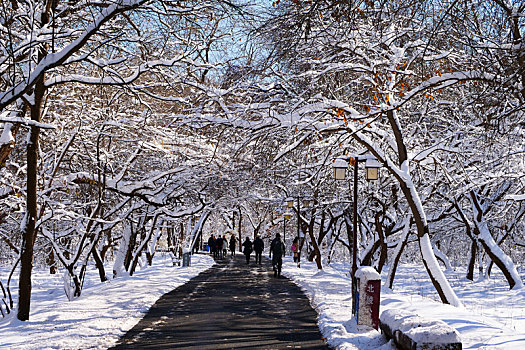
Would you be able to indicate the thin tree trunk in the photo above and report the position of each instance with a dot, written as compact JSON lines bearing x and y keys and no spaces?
{"x":496,"y":254}
{"x":397,"y":254}
{"x":29,"y":232}
{"x":240,"y":231}
{"x":315,"y":252}
{"x":472,"y":260}
{"x":51,"y":261}
{"x":382,"y":243}
{"x":131,"y":245}
{"x":99,"y":264}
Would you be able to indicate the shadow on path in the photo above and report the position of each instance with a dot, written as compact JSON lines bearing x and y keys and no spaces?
{"x":229,"y":306}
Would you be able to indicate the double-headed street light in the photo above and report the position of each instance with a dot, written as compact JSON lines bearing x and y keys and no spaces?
{"x":289,"y":204}
{"x":372,"y":166}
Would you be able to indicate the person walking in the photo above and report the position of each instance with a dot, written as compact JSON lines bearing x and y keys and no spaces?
{"x":219,"y":243}
{"x":277,"y":249}
{"x":248,"y":247}
{"x":258,"y":247}
{"x":233,"y":243}
{"x":295,"y":249}
{"x":212,"y":245}
{"x":224,"y":246}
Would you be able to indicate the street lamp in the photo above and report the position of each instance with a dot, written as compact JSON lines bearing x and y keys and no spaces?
{"x":340,"y":165}
{"x":372,"y":166}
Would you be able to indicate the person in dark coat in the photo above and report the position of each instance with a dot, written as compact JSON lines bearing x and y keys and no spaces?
{"x":219,"y":243}
{"x":233,"y":242}
{"x":277,"y":249}
{"x":211,"y":244}
{"x":248,"y":248}
{"x":258,"y":247}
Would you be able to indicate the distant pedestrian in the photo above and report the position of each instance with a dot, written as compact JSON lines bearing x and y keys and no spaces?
{"x":212,"y":245}
{"x":258,"y":247}
{"x":295,"y":249}
{"x":277,"y":249}
{"x":220,"y":243}
{"x":248,"y":248}
{"x":224,"y":246}
{"x":233,"y":243}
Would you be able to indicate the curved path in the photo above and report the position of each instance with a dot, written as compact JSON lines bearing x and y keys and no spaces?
{"x":229,"y":306}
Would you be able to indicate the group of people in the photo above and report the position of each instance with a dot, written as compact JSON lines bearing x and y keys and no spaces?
{"x":217,"y":246}
{"x":257,"y":245}
{"x":277,"y":249}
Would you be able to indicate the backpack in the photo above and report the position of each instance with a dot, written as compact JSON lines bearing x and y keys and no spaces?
{"x":278,"y":248}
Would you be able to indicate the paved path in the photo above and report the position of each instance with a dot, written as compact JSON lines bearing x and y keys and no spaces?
{"x":229,"y":306}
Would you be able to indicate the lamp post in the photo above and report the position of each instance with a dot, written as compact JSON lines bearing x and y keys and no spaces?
{"x":372,"y":173}
{"x":286,"y":216}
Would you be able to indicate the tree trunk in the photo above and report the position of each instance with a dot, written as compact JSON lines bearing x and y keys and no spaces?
{"x":99,"y":264}
{"x":441,"y":257}
{"x":349,"y":229}
{"x":496,"y":254}
{"x":440,"y":282}
{"x":131,"y":246}
{"x":28,"y":230}
{"x":239,"y":228}
{"x":367,"y":258}
{"x":315,"y":252}
{"x":472,"y":260}
{"x":51,"y":261}
{"x":382,"y":243}
{"x":397,"y":254}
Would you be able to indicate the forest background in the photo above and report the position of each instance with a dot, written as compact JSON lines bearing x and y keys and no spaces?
{"x":134,"y":126}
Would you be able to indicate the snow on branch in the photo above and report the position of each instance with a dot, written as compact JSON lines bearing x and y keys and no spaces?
{"x":55,"y":59}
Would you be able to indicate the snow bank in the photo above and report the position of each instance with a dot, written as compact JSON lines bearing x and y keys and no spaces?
{"x":419,"y":330}
{"x":493,"y":316}
{"x":103,"y":313}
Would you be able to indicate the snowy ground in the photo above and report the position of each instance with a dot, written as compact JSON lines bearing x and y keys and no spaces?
{"x":493,"y":317}
{"x":100,"y":316}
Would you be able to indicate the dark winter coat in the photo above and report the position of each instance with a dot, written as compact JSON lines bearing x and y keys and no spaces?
{"x":248,"y":247}
{"x":277,"y":248}
{"x":211,"y":244}
{"x":258,"y":245}
{"x":232,"y":243}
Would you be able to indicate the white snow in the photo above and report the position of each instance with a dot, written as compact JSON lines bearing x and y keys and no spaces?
{"x":493,"y":316}
{"x":7,"y":135}
{"x":419,"y":329}
{"x":367,"y":273}
{"x":515,"y":197}
{"x":103,"y":312}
